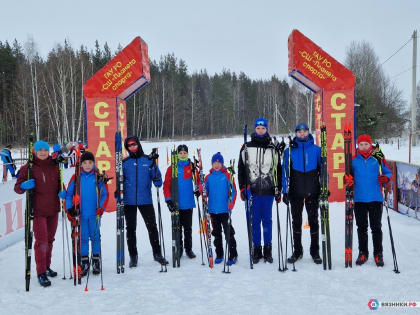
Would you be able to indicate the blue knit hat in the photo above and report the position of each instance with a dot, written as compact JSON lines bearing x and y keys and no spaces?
{"x":56,"y":148}
{"x":41,"y":145}
{"x":301,"y":126}
{"x":218,"y":157}
{"x":261,"y":122}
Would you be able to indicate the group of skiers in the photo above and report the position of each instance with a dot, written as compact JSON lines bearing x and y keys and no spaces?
{"x":263,"y":178}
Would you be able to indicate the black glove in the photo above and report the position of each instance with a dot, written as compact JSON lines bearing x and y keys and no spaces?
{"x":72,"y":212}
{"x":197,"y":193}
{"x":377,"y":153}
{"x":286,"y":199}
{"x":277,"y":196}
{"x":171,"y":206}
{"x":279,"y":146}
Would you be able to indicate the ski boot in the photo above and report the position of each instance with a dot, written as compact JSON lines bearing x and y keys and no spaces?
{"x":96,"y":264}
{"x":218,"y":260}
{"x":51,"y":273}
{"x":85,"y":265}
{"x":133,"y":261}
{"x":295,"y":257}
{"x":43,"y":280}
{"x":159,"y":258}
{"x":361,"y":259}
{"x":379,"y":260}
{"x":268,"y":257}
{"x":257,"y":254}
{"x":190,"y":254}
{"x":317,"y":259}
{"x":232,"y":261}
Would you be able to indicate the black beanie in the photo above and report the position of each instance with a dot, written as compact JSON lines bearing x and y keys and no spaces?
{"x":182,"y":147}
{"x":87,"y":156}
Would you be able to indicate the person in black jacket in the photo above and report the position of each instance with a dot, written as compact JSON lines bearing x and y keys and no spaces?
{"x":304,"y":188}
{"x":263,"y":160}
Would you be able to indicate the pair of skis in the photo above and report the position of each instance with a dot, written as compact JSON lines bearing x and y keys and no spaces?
{"x":176,"y":225}
{"x":205,"y":224}
{"x":119,"y":194}
{"x":323,"y":202}
{"x":29,"y":215}
{"x":349,"y":206}
{"x":75,"y":228}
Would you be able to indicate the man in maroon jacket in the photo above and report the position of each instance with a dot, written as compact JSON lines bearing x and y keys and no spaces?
{"x":45,"y":183}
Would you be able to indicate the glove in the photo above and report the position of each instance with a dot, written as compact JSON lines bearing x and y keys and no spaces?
{"x":286,"y":199}
{"x":71,"y":219}
{"x":277,"y":196}
{"x":62,"y":194}
{"x":279,"y":146}
{"x":72,"y":212}
{"x":29,"y":184}
{"x":348,"y":180}
{"x":197,"y":192}
{"x":383,"y":179}
{"x":243,"y":194}
{"x":170,"y":205}
{"x":377,"y":153}
{"x":100,"y":211}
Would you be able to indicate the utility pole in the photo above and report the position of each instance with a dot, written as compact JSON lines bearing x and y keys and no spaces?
{"x":414,"y":92}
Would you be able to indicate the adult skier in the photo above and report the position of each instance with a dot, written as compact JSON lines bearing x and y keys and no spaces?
{"x":304,"y":189}
{"x":259,"y":169}
{"x":139,"y":173}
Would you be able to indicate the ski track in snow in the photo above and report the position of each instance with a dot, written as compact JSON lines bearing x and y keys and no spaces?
{"x":195,"y":289}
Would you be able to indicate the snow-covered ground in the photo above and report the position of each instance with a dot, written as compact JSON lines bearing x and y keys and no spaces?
{"x":196,"y":289}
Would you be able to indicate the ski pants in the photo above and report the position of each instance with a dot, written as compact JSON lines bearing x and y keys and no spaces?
{"x":90,"y":230}
{"x":311,"y":205}
{"x":218,"y":221}
{"x":262,"y":213}
{"x":44,"y":231}
{"x":148,"y":214}
{"x":185,"y":219}
{"x":373,"y":210}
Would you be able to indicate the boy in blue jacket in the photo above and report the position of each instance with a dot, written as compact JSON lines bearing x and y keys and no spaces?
{"x":94,"y":198}
{"x":221,"y":199}
{"x":368,"y":199}
{"x":186,"y":193}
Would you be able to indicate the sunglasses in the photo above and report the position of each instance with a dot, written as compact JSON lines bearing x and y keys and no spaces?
{"x":260,"y":123}
{"x":132,"y":145}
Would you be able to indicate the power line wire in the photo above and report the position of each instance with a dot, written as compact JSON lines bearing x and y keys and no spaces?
{"x":402,"y":72}
{"x":397,"y":51}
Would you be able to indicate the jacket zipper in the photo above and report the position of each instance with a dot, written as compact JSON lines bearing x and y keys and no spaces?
{"x":137,"y":165}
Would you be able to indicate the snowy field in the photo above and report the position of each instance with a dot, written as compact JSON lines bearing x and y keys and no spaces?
{"x":196,"y":289}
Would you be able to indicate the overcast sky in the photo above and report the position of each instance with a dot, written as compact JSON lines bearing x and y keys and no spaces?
{"x":241,"y":35}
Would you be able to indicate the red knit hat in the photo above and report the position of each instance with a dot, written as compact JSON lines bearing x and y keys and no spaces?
{"x":364,"y":138}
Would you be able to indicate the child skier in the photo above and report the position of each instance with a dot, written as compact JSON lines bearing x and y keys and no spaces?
{"x":45,"y":185}
{"x":186,"y":193}
{"x":94,"y":198}
{"x":221,"y":197}
{"x":368,"y":181}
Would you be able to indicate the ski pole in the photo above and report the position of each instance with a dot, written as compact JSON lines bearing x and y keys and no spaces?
{"x":394,"y":255}
{"x":194,"y":174}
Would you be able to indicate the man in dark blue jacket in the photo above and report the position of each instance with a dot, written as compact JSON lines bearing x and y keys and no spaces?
{"x":302,"y":186}
{"x":139,"y":173}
